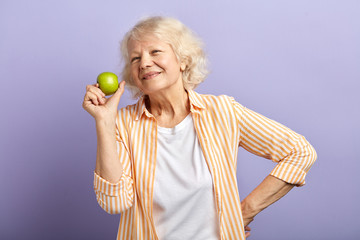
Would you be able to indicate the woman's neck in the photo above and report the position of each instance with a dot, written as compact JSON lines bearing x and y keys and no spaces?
{"x":169,"y":103}
{"x":169,"y":109}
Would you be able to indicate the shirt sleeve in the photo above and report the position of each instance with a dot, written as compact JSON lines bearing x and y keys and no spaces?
{"x":269,"y":139}
{"x":115,"y":198}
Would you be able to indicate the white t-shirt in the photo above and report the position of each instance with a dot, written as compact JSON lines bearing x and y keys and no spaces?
{"x":184,"y":202}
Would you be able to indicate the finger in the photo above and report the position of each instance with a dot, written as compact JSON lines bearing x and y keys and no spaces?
{"x":121,"y":88}
{"x":115,"y":99}
{"x":89,"y":96}
{"x":88,"y":87}
{"x":95,"y":89}
{"x":98,"y":90}
{"x":98,"y":93}
{"x":95,"y":85}
{"x":247,"y":231}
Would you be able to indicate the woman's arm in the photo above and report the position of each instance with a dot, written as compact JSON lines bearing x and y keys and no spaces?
{"x":265,"y":194}
{"x":269,"y":139}
{"x":108,"y":165}
{"x":113,"y":184}
{"x":104,"y":112}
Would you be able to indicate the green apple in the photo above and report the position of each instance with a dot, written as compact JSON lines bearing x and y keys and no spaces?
{"x":108,"y":82}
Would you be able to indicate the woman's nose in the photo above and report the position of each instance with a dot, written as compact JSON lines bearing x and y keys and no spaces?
{"x":146,"y":61}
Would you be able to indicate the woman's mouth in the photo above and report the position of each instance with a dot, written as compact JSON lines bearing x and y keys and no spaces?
{"x":150,"y":75}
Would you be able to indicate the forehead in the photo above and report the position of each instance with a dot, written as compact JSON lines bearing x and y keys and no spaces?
{"x":148,"y":41}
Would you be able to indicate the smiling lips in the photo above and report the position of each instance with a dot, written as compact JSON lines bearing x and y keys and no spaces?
{"x":150,"y":75}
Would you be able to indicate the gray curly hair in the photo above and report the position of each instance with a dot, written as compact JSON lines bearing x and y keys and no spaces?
{"x":187,"y":47}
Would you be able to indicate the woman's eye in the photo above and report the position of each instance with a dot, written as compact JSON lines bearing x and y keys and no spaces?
{"x":156,"y":51}
{"x":134,"y":59}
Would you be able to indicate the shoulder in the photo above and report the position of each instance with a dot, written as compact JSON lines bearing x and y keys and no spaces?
{"x":211,"y":101}
{"x":222,"y":105}
{"x":212,"y":97}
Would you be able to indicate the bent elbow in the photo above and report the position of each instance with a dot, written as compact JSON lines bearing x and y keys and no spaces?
{"x":312,"y":155}
{"x":114,"y":198}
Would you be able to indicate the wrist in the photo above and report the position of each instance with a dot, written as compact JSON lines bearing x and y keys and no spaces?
{"x":105,"y":125}
{"x":249,"y":207}
{"x":105,"y":121}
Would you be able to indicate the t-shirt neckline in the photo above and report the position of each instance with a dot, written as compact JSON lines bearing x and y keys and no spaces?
{"x":178,"y":127}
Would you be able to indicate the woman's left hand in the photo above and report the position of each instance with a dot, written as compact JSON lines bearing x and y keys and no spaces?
{"x":247,"y":231}
{"x":248,"y":217}
{"x":247,"y":220}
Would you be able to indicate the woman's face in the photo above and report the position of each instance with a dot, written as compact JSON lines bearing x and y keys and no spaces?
{"x":154,"y":66}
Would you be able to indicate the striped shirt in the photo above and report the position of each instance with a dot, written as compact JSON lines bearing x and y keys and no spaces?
{"x":222,"y":125}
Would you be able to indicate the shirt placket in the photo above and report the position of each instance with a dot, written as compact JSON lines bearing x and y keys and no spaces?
{"x":209,"y":161}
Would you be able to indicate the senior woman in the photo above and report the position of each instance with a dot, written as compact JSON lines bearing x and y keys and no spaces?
{"x":168,"y":162}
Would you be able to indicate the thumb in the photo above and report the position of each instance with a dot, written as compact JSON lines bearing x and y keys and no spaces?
{"x":114,"y":100}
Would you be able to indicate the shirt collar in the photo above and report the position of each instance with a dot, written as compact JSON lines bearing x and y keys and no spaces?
{"x":196,"y":101}
{"x":196,"y":105}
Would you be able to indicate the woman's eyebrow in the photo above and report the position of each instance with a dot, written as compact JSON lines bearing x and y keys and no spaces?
{"x":134,"y":52}
{"x":151,"y":47}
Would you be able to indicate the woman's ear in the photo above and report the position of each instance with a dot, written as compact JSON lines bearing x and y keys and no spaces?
{"x":182,"y":66}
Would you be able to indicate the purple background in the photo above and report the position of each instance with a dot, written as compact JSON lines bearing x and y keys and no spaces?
{"x":297,"y":62}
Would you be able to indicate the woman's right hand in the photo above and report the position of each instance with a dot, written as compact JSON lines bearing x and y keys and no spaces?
{"x":100,"y":107}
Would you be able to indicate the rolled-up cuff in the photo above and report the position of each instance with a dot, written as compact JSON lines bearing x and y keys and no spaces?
{"x":108,"y":188}
{"x":289,"y":173}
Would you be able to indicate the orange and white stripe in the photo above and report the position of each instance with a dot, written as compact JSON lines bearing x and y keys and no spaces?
{"x":222,"y":125}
